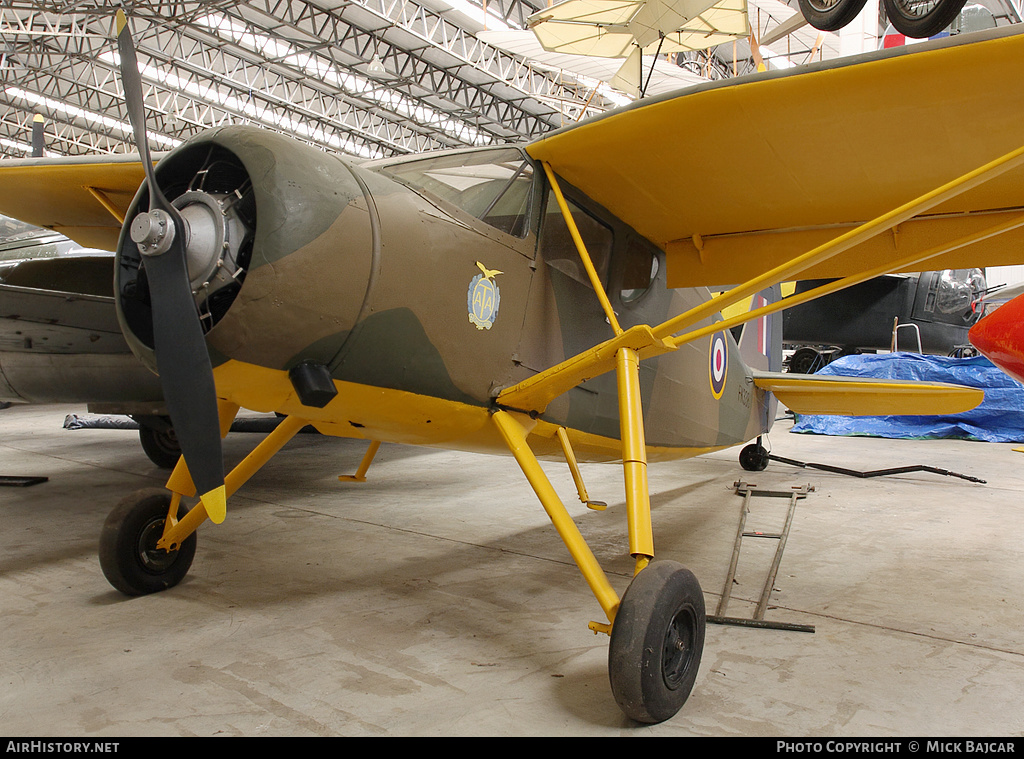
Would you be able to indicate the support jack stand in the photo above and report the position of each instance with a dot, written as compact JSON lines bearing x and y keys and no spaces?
{"x":747,"y":491}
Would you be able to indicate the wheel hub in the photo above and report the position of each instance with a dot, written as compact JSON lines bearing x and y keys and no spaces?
{"x":151,"y":558}
{"x":679,"y":647}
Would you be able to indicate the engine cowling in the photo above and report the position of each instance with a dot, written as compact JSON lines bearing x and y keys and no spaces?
{"x":279,"y":247}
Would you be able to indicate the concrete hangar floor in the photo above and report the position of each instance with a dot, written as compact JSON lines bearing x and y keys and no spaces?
{"x":437,"y":600}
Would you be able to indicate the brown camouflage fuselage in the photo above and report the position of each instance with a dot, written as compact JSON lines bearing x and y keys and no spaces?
{"x":356,"y":269}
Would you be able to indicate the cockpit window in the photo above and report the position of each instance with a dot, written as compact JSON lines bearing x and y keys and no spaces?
{"x":495,"y":186}
{"x":558,"y":248}
{"x":639,"y":273}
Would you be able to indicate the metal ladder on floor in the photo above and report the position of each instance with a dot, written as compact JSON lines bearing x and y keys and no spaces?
{"x":748,"y":491}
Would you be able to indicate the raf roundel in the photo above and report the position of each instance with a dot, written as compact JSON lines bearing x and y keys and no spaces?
{"x":718,"y":364}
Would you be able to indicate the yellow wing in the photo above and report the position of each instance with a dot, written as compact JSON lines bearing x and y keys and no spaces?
{"x":734,"y":178}
{"x":82,"y":198}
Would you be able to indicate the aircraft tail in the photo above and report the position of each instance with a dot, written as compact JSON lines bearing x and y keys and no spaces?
{"x":760,"y":345}
{"x":760,"y":341}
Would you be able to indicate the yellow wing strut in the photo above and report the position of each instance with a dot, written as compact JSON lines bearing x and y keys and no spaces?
{"x":588,"y":264}
{"x":626,"y":360}
{"x":624,"y":351}
{"x":904,"y":264}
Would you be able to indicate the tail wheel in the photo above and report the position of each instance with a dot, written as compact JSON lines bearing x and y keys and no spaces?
{"x":130,"y":560}
{"x":754,"y":457}
{"x":656,"y":642}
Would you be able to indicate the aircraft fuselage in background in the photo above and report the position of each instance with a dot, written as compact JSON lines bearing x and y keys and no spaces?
{"x":60,"y":341}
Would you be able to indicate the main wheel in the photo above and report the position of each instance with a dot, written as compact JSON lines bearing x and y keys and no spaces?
{"x":754,"y":457}
{"x":162,"y":448}
{"x":130,"y":560}
{"x":830,"y":15}
{"x":656,"y":643}
{"x":921,"y":18}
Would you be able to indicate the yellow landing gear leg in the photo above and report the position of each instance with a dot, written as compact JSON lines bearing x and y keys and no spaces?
{"x":364,"y":465}
{"x":657,"y":630}
{"x":658,"y":634}
{"x":634,"y":458}
{"x":180,"y":483}
{"x":149,"y":540}
{"x":515,"y":438}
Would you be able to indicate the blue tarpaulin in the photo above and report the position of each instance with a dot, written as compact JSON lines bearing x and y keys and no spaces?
{"x":998,"y":419}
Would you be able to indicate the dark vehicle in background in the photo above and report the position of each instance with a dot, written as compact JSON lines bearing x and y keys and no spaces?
{"x":929,"y":312}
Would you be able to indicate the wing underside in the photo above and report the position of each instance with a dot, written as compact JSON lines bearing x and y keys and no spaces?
{"x":732,"y":180}
{"x":83,"y":198}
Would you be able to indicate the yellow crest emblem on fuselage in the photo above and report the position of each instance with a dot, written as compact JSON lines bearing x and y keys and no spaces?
{"x":483,"y":298}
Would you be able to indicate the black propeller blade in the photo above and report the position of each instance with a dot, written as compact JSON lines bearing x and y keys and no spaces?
{"x":183,"y":362}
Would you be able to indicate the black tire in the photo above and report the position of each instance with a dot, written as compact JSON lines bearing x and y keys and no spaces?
{"x":803,"y":361}
{"x":830,"y":15}
{"x":129,"y":557}
{"x":656,"y":643}
{"x":162,"y":448}
{"x":754,"y":457}
{"x":923,"y":20}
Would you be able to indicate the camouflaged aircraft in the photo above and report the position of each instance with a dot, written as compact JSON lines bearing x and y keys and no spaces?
{"x":544,"y":300}
{"x":60,"y":341}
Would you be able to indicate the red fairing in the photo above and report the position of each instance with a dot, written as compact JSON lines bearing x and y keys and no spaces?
{"x":1000,"y":337}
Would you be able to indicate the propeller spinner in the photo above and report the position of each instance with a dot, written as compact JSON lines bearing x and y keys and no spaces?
{"x":183,"y":362}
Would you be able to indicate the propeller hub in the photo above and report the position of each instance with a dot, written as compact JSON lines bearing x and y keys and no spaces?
{"x":153,"y":232}
{"x":205,"y":235}
{"x":214,"y":225}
